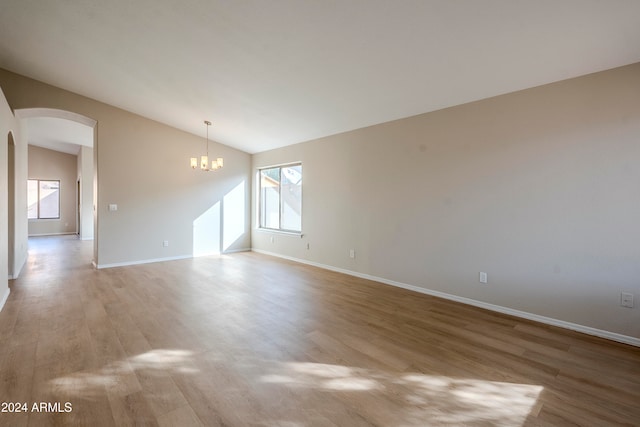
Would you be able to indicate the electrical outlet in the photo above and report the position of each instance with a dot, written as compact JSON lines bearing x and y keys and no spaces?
{"x":626,"y":300}
{"x":482,"y":277}
{"x":307,"y":246}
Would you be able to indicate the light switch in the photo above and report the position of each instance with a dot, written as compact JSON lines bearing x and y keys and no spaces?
{"x":113,"y":207}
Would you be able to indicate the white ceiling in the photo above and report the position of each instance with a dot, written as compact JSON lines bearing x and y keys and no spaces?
{"x":274,"y":73}
{"x":59,"y":134}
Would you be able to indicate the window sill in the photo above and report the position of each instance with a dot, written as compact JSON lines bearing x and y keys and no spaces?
{"x":274,"y":231}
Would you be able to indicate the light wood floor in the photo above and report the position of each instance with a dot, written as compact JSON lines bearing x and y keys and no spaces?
{"x":249,"y":340}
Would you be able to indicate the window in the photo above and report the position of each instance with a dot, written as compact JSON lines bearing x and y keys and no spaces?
{"x":43,"y":198}
{"x":281,"y":198}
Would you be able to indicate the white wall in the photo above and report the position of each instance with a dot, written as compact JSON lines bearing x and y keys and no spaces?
{"x":85,"y":176}
{"x":143,"y":167}
{"x":21,"y":224}
{"x":538,"y":188}
{"x":6,"y":124}
{"x":11,"y":260}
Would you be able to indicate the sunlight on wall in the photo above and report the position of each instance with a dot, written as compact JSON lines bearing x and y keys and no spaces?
{"x":438,"y":399}
{"x":206,"y":232}
{"x":220,"y":226}
{"x":233,"y":216}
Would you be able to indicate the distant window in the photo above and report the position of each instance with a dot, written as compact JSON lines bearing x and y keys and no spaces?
{"x":43,"y":198}
{"x":281,"y":198}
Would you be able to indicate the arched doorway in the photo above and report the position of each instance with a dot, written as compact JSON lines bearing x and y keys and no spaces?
{"x":67,"y":132}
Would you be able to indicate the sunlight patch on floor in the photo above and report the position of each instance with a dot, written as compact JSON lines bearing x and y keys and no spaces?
{"x":160,"y":359}
{"x":438,"y":399}
{"x":118,"y":375}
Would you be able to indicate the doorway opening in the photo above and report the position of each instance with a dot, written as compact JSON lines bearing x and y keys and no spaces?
{"x":60,"y":148}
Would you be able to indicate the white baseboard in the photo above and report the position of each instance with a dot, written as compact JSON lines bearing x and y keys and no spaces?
{"x":175,"y":258}
{"x":233,"y":251}
{"x":52,"y":234}
{"x":497,"y":308}
{"x":143,"y":261}
{"x":4,"y":298}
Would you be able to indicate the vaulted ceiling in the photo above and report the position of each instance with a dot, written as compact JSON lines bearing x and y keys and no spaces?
{"x":270,"y":73}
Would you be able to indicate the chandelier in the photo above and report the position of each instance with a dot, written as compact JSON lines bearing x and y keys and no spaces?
{"x":204,"y":160}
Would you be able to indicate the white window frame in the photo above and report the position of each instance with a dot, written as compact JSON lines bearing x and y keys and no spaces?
{"x":280,"y":207}
{"x":38,"y":217}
